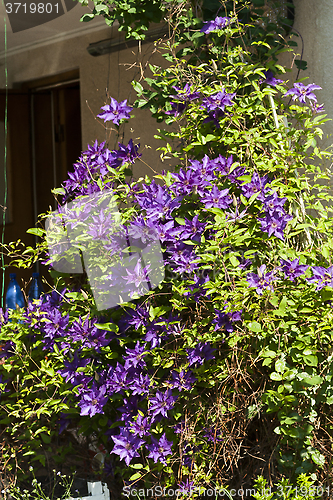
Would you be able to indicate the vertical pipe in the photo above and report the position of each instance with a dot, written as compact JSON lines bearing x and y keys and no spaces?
{"x":5,"y":175}
{"x":33,"y":165}
{"x":301,"y":201}
{"x":54,"y":159}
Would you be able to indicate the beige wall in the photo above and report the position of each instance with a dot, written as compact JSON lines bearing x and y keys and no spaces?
{"x":114,"y":71}
{"x":314,"y":21}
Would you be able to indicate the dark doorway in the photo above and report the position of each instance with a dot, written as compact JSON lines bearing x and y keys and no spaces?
{"x":56,"y":141}
{"x":43,"y":142}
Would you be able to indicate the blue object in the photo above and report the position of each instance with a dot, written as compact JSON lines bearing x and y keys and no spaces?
{"x":36,"y":288}
{"x":14,"y":295}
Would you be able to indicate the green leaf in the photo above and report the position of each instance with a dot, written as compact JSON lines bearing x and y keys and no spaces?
{"x":109,"y":327}
{"x":136,"y":466}
{"x":45,"y":438}
{"x":280,"y":365}
{"x":36,"y":231}
{"x":138,"y":88}
{"x":301,"y":64}
{"x":310,"y":360}
{"x":275,"y":376}
{"x":61,"y":191}
{"x":268,"y":354}
{"x":234,"y":261}
{"x":135,"y":476}
{"x":87,"y":17}
{"x":101,"y":8}
{"x":281,"y":311}
{"x":318,"y":458}
{"x":315,"y":380}
{"x":254,"y":326}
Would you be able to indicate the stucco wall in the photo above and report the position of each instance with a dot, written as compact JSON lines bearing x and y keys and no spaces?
{"x":314,"y":20}
{"x":113,"y":71}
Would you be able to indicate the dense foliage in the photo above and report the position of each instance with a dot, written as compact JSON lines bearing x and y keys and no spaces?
{"x":225,"y":365}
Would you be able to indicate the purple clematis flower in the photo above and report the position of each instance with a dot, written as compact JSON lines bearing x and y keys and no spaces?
{"x":301,"y":91}
{"x":192,"y":229}
{"x":213,"y":434}
{"x":93,"y":400}
{"x":137,"y":279}
{"x":4,"y":316}
{"x":187,"y":181}
{"x":236,"y":215}
{"x":161,"y":403}
{"x":222,"y":164}
{"x":134,"y":317}
{"x":54,"y":327}
{"x":140,"y":385}
{"x":261,"y":281}
{"x":180,"y":427}
{"x":144,"y":230}
{"x":129,"y":409}
{"x":140,"y":425}
{"x":177,"y":108}
{"x":235,"y":174}
{"x":270,"y":80}
{"x":200,"y":353}
{"x":322,"y":277}
{"x":118,"y":379}
{"x":128,"y":153}
{"x":205,"y":168}
{"x":88,"y":335}
{"x":226,"y":319}
{"x":292,"y":269}
{"x":184,"y":96}
{"x":217,"y":199}
{"x":159,"y":449}
{"x":134,"y":357}
{"x":217,"y":24}
{"x":182,"y":380}
{"x":68,"y":373}
{"x":63,"y":422}
{"x":275,"y":223}
{"x":218,"y":101}
{"x":115,"y":111}
{"x":187,"y":487}
{"x":126,"y":445}
{"x":256,"y":185}
{"x":198,"y":285}
{"x":317,"y":108}
{"x":214,"y":116}
{"x":153,"y":335}
{"x":183,"y":263}
{"x":7,"y":349}
{"x":273,"y":203}
{"x":166,"y":232}
{"x":157,"y":201}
